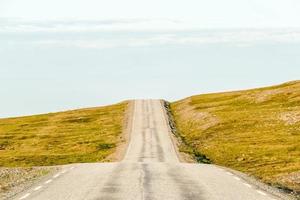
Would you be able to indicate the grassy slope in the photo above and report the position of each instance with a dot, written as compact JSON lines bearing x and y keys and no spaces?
{"x":86,"y":135}
{"x":255,"y":131}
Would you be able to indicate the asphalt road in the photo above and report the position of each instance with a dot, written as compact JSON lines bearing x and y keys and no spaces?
{"x":150,"y":170}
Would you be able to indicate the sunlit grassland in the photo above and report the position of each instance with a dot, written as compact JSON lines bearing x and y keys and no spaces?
{"x":85,"y":135}
{"x":255,"y":131}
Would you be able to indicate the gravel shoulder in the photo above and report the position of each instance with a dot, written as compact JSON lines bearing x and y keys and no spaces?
{"x":280,"y":193}
{"x":16,"y":180}
{"x":175,"y":137}
{"x":122,"y":146}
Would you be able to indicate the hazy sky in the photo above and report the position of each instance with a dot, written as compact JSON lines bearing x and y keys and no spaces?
{"x":196,"y":13}
{"x":65,"y":54}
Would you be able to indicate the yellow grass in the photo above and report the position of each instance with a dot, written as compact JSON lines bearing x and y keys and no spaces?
{"x":255,"y":131}
{"x":85,"y":135}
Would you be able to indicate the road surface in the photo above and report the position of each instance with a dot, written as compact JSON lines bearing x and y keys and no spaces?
{"x":150,"y":170}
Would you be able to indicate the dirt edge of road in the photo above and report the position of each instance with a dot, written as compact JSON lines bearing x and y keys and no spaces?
{"x":19,"y":179}
{"x":121,"y":148}
{"x":175,"y":137}
{"x":279,"y":193}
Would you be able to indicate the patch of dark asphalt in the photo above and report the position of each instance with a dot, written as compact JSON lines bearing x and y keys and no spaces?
{"x":159,"y":149}
{"x":143,"y":149}
{"x":147,"y":194}
{"x":113,"y":185}
{"x":189,"y":189}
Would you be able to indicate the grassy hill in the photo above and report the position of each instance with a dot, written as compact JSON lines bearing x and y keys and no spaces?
{"x":255,"y":131}
{"x":85,"y":135}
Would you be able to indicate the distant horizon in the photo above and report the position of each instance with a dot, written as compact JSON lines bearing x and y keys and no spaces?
{"x":93,"y":106}
{"x":62,"y":74}
{"x":62,"y":55}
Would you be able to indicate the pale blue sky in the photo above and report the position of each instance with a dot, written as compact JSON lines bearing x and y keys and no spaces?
{"x":193,"y":13}
{"x":58,"y":55}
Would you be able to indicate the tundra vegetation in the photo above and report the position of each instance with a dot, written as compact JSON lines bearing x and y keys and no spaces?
{"x":85,"y":135}
{"x":255,"y":131}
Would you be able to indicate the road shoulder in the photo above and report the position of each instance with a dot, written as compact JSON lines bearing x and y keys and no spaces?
{"x":121,"y":148}
{"x":176,"y":140}
{"x":17,"y":179}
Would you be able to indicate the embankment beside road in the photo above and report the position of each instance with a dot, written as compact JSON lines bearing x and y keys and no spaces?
{"x":254,"y":131}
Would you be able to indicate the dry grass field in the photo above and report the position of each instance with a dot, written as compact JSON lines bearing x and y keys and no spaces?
{"x":255,"y":131}
{"x":85,"y":135}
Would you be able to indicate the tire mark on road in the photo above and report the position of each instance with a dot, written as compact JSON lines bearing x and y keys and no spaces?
{"x":188,"y":188}
{"x":159,"y":149}
{"x":143,"y":149}
{"x":113,"y":185}
{"x":146,"y":182}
